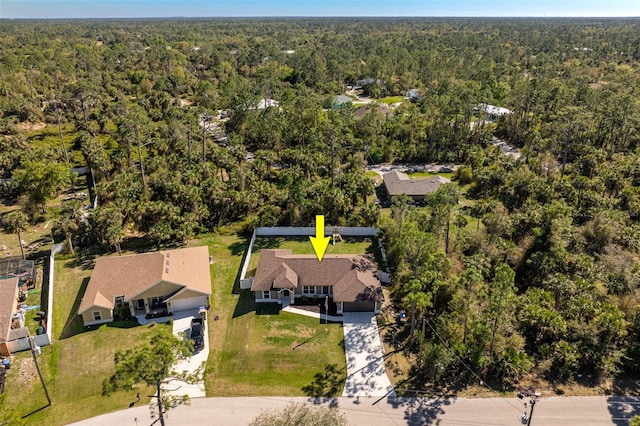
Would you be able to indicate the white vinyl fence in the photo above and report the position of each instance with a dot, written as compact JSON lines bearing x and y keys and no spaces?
{"x":300,"y":231}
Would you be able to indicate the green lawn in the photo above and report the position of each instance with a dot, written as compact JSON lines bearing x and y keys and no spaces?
{"x":392,"y":100}
{"x":268,"y":353}
{"x":374,"y":175}
{"x":429,"y":174}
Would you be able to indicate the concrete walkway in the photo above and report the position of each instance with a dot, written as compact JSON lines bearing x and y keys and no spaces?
{"x":366,"y":374}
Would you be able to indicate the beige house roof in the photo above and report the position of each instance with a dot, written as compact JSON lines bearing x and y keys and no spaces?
{"x":129,"y":276}
{"x":399,"y":183}
{"x":8,"y":296}
{"x":353,"y":277}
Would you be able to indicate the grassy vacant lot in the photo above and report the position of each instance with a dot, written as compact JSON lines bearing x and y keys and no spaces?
{"x":265,"y":353}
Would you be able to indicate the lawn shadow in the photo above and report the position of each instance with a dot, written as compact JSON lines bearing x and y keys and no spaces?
{"x":240,"y":246}
{"x":236,"y":248}
{"x":36,"y":411}
{"x":246,"y":303}
{"x":326,"y":385}
{"x":267,"y":308}
{"x":74,"y":324}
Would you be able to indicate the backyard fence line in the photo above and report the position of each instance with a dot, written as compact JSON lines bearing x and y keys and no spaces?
{"x":299,"y":231}
{"x":57,"y":248}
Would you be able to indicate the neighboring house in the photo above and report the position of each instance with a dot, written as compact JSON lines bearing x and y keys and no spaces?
{"x":382,"y":110}
{"x":368,"y":81}
{"x":349,"y":280}
{"x":341,"y":101}
{"x":11,"y":319}
{"x":414,"y":95}
{"x":493,"y":112}
{"x":397,"y":183}
{"x":267,"y":103}
{"x":149,"y":284}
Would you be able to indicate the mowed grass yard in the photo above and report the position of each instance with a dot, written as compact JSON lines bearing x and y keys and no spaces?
{"x":269,"y":352}
{"x":253,"y":354}
{"x":74,"y":366}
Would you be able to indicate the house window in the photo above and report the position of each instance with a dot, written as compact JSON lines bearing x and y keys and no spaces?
{"x":308,"y":289}
{"x":119,"y":301}
{"x":266,"y":294}
{"x":326,"y":289}
{"x":97,"y":316}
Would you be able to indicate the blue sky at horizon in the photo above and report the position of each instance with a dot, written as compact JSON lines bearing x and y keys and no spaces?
{"x":255,"y":8}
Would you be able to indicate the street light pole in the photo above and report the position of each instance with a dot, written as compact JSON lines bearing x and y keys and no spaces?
{"x":35,"y":351}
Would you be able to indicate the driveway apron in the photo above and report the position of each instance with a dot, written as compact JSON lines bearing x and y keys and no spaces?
{"x":366,"y":375}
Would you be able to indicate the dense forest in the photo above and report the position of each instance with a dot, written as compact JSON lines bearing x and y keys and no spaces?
{"x":526,"y":265}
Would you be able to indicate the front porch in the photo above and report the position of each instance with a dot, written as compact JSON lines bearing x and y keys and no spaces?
{"x":149,"y":308}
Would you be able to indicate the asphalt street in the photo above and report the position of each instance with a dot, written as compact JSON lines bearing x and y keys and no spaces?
{"x":372,"y":411}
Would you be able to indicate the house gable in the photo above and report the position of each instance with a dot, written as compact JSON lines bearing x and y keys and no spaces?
{"x":159,"y":289}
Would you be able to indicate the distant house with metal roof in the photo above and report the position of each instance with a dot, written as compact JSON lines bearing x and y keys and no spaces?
{"x":397,"y":183}
{"x":341,"y":101}
{"x":493,"y":112}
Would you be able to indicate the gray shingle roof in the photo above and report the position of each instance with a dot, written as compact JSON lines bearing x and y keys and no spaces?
{"x":399,"y":183}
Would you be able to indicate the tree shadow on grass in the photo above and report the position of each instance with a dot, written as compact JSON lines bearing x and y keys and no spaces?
{"x":327,"y":385}
{"x":240,"y":246}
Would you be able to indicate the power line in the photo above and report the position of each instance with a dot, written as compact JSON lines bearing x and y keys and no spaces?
{"x":482,"y":382}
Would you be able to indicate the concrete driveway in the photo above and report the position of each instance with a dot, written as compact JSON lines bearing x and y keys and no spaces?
{"x":366,"y":374}
{"x":182,"y":322}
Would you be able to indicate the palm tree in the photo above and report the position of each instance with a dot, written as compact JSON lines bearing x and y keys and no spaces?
{"x":16,"y":221}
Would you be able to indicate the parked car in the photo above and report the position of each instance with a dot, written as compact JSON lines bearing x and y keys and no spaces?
{"x":197,"y":334}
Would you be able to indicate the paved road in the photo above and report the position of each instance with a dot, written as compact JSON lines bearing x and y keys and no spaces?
{"x":554,"y":411}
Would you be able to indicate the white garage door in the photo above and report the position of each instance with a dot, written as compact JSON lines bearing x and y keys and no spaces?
{"x":191,"y":303}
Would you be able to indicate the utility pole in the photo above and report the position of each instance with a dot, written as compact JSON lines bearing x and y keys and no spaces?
{"x":35,"y":351}
{"x":534,"y":398}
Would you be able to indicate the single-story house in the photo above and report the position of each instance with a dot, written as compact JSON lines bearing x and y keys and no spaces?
{"x":382,"y":110}
{"x":10,"y":317}
{"x":397,"y":183}
{"x":493,"y":112}
{"x":348,"y":280}
{"x":150,"y":284}
{"x":267,"y":103}
{"x":414,"y":95}
{"x":341,"y":101}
